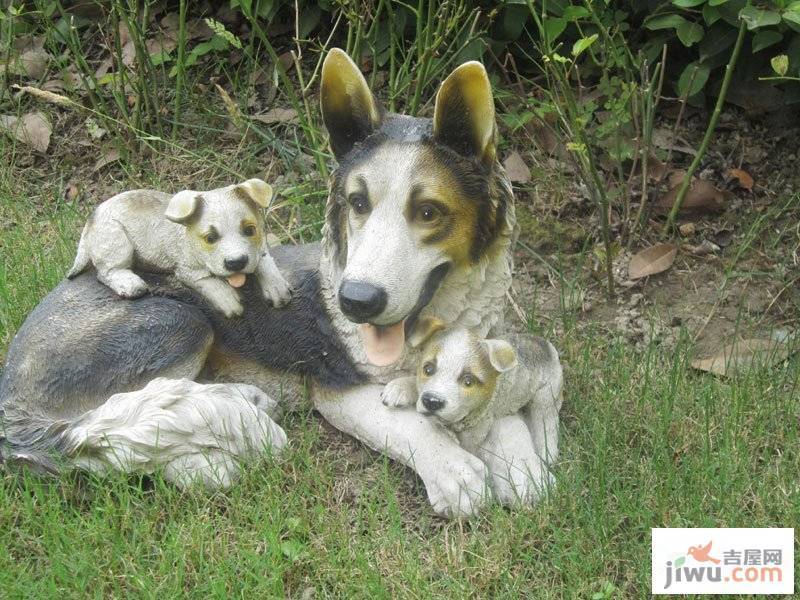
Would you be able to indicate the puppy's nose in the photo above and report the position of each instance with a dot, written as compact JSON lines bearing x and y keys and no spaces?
{"x":361,"y":301}
{"x":431,"y":402}
{"x":235,"y":264}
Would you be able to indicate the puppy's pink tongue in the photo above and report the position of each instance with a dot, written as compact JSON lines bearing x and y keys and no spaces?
{"x":237,"y":280}
{"x":383,"y":345}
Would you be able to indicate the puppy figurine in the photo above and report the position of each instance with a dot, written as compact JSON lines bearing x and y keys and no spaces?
{"x":464,"y":381}
{"x":210,"y":240}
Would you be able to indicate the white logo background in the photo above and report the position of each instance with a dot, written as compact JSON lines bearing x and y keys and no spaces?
{"x":747,"y":555}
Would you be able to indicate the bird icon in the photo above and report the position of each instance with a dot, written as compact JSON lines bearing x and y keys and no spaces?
{"x":700,"y":553}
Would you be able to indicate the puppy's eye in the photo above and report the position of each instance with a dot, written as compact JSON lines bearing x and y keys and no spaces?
{"x":360,"y":203}
{"x":428,"y":213}
{"x":429,"y":368}
{"x":212,"y":237}
{"x":468,"y":380}
{"x":249,"y":230}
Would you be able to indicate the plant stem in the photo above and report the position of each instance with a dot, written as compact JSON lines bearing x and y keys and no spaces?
{"x":181,"y":73}
{"x":712,"y":124}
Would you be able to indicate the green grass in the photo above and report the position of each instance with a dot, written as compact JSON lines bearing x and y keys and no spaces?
{"x":646,"y":443}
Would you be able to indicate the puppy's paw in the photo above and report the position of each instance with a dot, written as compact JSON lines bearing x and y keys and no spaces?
{"x":127,"y":285}
{"x":397,"y":394}
{"x":229,"y":305}
{"x":278,"y":291}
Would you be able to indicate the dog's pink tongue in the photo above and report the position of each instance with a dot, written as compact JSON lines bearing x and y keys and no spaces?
{"x":383,"y":345}
{"x":237,"y":280}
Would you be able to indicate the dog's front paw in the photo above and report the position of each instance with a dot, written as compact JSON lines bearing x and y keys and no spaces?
{"x":457,"y":485}
{"x":524,"y":484}
{"x":229,"y":305}
{"x":397,"y":393}
{"x":278,"y":291}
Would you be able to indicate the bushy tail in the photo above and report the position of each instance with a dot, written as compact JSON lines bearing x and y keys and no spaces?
{"x":191,"y":432}
{"x":82,"y":258}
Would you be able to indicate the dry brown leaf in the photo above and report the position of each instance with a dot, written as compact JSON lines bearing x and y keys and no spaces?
{"x":32,"y":129}
{"x":743,"y":354}
{"x":652,"y":260}
{"x":666,"y":140}
{"x":655,"y":168}
{"x":744,"y":178}
{"x":702,"y":196}
{"x":107,"y":158}
{"x":704,"y":248}
{"x":33,"y":63}
{"x":516,"y":169}
{"x":277,"y":115}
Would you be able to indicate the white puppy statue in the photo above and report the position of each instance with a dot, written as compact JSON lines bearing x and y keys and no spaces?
{"x":466,"y":383}
{"x":210,"y":240}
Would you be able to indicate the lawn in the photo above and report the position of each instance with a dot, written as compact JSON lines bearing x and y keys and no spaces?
{"x":596,"y":134}
{"x":646,"y":442}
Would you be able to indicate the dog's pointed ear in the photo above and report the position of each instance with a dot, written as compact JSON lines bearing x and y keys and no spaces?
{"x":424,"y":330}
{"x":182,"y":206}
{"x":463,"y":117}
{"x":256,"y":190}
{"x":501,"y":355}
{"x":349,"y":109}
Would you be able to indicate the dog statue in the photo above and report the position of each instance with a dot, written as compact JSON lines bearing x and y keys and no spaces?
{"x":419,"y":222}
{"x":210,"y":240}
{"x":466,"y":383}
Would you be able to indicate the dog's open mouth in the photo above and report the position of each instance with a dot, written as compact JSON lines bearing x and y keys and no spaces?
{"x":383,"y":344}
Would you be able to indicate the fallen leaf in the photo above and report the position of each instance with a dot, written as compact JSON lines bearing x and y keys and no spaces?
{"x":516,"y":169}
{"x":704,"y":248}
{"x":277,"y":115}
{"x":665,"y":139}
{"x":702,"y":197}
{"x":655,"y":168}
{"x":32,"y":129}
{"x":652,"y":260}
{"x":33,"y":63}
{"x":107,"y":158}
{"x":744,"y":354}
{"x":744,"y":178}
{"x":71,"y":192}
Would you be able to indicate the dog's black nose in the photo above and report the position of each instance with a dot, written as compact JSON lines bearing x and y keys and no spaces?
{"x":235,"y":264}
{"x":431,"y":402}
{"x":361,"y":301}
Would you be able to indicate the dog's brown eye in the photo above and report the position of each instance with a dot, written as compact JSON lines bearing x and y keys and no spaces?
{"x":429,"y":368}
{"x":249,"y":230}
{"x":468,"y":380}
{"x":428,"y":213}
{"x":359,"y":203}
{"x":212,"y":237}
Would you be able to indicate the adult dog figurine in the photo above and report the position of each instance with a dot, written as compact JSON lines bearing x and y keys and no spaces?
{"x":419,"y":222}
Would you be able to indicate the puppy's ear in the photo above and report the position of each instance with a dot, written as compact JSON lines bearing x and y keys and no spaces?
{"x":424,"y":330}
{"x":463,"y":116}
{"x":183,"y":206}
{"x":349,"y":109}
{"x":256,"y":190}
{"x":501,"y":355}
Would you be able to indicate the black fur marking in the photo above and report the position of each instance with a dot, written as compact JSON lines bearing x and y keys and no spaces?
{"x":295,"y":339}
{"x":428,"y":290}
